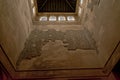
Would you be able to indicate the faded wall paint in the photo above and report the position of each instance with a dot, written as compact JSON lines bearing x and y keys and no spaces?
{"x":15,"y":26}
{"x":106,"y":29}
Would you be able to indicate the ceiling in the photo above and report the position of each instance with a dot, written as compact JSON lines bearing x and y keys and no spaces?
{"x":56,"y":5}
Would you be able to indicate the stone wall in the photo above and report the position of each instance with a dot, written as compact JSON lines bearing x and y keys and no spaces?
{"x":106,"y":30}
{"x":15,"y":26}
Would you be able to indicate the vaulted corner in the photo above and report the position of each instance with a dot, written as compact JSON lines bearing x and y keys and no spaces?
{"x":65,"y":39}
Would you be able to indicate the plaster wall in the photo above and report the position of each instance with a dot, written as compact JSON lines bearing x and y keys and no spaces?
{"x":106,"y":30}
{"x":15,"y":26}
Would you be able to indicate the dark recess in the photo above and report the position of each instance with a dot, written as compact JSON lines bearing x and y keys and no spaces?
{"x":117,"y":67}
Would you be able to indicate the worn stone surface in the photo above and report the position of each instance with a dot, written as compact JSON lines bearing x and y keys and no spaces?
{"x":55,"y":56}
{"x":40,"y":42}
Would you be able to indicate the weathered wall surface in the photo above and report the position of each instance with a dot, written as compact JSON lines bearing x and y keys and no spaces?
{"x":106,"y":31}
{"x":15,"y":26}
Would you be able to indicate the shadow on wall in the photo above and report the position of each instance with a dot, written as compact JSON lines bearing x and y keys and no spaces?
{"x":116,"y":70}
{"x":4,"y":75}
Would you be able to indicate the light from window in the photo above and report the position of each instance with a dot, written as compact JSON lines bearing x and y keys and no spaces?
{"x":70,"y":18}
{"x":34,"y":12}
{"x":61,"y":18}
{"x":81,"y":2}
{"x":43,"y":18}
{"x":80,"y":11}
{"x":32,"y":2}
{"x":52,"y":18}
